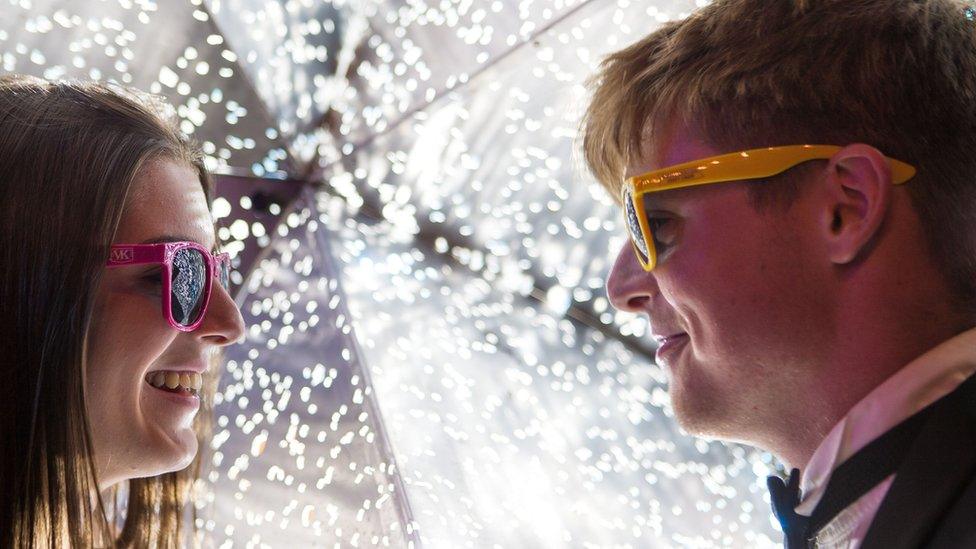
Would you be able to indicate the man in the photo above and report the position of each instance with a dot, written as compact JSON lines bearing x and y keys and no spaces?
{"x":799,"y":182}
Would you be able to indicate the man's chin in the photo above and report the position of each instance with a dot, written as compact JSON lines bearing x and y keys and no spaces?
{"x":697,"y":414}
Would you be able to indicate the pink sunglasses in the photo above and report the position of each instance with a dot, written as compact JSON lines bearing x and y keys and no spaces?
{"x":187,"y":276}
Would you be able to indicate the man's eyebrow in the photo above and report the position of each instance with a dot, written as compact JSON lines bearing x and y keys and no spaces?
{"x":655,"y":201}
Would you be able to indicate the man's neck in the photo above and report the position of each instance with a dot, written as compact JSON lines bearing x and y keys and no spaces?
{"x":860,"y":360}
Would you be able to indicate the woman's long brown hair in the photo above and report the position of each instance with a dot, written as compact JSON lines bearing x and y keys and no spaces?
{"x":69,"y":151}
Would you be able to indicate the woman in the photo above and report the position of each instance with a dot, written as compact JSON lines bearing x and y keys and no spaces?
{"x":113,"y":308}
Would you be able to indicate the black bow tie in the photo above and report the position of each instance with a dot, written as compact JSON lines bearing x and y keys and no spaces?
{"x":785,"y":496}
{"x":851,"y":480}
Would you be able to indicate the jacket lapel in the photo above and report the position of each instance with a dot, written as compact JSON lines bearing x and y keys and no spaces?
{"x":936,"y":469}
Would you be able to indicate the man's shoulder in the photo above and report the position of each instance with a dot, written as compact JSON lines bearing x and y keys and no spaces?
{"x":966,"y":396}
{"x":958,"y":525}
{"x":932,"y":500}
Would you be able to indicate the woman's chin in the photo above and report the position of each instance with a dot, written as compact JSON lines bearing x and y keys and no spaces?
{"x":170,"y":439}
{"x":173,"y":454}
{"x":183,"y":448}
{"x":169,"y":453}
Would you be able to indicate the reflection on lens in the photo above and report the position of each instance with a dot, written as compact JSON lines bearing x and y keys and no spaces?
{"x":633,"y":225}
{"x":188,"y":284}
{"x":223,"y":271}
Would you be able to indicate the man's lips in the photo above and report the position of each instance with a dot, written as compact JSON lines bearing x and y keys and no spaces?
{"x":668,"y":345}
{"x":662,"y":339}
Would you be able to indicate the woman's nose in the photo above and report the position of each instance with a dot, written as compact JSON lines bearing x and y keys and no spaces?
{"x":223,"y":323}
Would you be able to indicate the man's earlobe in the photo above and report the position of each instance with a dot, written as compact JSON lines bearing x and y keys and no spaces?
{"x":858,"y":189}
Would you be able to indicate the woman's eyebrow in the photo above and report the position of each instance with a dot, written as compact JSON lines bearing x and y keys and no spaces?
{"x":168,"y":238}
{"x":175,"y":238}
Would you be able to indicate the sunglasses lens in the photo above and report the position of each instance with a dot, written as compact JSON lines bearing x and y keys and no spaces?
{"x":188,"y":286}
{"x":633,"y":226}
{"x":223,"y":272}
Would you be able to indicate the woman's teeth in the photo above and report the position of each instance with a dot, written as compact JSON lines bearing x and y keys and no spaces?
{"x":176,"y":381}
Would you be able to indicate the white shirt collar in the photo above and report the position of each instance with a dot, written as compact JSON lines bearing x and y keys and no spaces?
{"x":923,"y":381}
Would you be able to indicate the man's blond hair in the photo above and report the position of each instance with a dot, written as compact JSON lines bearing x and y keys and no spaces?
{"x":897,"y":74}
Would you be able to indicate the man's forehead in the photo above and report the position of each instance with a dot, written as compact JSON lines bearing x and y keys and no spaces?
{"x":679,"y":142}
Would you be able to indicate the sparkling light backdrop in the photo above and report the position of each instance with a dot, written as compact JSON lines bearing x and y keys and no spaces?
{"x":431,"y":360}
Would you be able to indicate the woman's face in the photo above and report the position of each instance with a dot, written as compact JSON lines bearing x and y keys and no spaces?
{"x":140,"y":430}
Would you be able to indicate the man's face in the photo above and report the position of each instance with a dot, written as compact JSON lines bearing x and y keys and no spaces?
{"x":737,"y":290}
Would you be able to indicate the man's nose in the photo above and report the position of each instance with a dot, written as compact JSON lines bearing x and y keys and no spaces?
{"x":629,"y":286}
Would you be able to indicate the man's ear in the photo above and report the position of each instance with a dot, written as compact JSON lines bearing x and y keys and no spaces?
{"x":858,"y":186}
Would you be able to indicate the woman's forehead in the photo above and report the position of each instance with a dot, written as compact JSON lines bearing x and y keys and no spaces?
{"x":167,"y":198}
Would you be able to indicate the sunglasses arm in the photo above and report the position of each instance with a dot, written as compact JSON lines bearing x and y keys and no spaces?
{"x":137,"y":254}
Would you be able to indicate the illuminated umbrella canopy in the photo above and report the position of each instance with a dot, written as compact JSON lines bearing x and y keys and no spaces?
{"x":431,"y":359}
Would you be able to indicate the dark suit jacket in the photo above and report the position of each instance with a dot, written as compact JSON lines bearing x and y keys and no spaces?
{"x":932,"y":502}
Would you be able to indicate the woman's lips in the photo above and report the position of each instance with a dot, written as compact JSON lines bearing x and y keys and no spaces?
{"x":669,"y":347}
{"x":175,"y":380}
{"x":177,"y":387}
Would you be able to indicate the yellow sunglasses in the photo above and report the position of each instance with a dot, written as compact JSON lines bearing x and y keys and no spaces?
{"x":737,"y":166}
